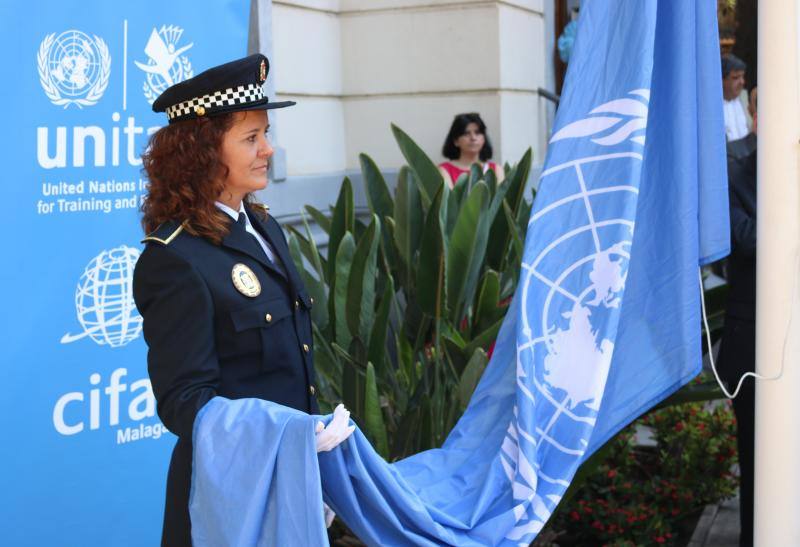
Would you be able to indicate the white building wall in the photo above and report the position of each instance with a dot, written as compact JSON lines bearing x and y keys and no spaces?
{"x":416,"y":67}
{"x":308,"y":69}
{"x":421,"y":50}
{"x":522,"y":72}
{"x":426,"y":118}
{"x":355,"y":66}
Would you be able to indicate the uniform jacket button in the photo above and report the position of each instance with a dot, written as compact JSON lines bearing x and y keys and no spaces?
{"x":312,"y":390}
{"x":268,"y":317}
{"x":296,"y":304}
{"x":312,"y":300}
{"x":305,"y":348}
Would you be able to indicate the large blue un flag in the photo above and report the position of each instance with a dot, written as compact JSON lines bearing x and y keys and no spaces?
{"x":633,"y":199}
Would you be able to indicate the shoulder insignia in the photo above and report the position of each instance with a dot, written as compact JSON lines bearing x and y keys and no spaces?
{"x":167,"y":240}
{"x":262,"y":206}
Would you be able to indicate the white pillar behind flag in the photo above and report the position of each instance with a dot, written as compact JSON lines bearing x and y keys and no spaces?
{"x":777,"y":438}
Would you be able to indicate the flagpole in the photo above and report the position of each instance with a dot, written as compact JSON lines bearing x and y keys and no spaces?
{"x":777,"y":435}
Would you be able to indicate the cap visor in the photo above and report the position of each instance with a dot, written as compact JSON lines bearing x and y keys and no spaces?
{"x":282,"y":104}
{"x":260,"y":105}
{"x":263,"y":104}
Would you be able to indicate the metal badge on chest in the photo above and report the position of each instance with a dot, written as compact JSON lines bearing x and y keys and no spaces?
{"x":245,"y":280}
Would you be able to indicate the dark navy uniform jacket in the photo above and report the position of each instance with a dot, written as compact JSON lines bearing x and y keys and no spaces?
{"x":742,"y":261}
{"x":206,"y":338}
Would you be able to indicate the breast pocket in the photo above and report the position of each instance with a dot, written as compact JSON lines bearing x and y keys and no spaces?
{"x":265,"y":331}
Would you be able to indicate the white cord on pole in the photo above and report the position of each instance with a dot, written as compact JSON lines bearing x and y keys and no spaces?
{"x":746,"y":374}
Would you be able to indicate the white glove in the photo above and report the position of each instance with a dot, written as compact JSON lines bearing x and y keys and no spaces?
{"x":337,"y":431}
{"x":329,"y":515}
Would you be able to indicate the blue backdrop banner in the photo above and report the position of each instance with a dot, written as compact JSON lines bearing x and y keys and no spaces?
{"x":85,"y":456}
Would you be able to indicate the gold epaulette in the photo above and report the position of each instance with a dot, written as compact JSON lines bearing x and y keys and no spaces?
{"x":169,"y":238}
{"x":263,"y":206}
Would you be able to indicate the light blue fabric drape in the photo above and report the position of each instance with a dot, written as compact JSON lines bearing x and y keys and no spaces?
{"x":255,"y":478}
{"x":604,"y":324}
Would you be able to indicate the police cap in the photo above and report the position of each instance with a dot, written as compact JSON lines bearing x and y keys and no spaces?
{"x":225,"y":88}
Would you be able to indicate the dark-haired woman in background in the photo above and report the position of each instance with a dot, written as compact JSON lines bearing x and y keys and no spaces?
{"x":467,"y":143}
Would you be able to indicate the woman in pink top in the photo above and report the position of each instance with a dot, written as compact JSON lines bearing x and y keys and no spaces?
{"x":467,"y":143}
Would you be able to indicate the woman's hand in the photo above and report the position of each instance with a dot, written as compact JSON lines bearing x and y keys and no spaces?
{"x":337,"y":431}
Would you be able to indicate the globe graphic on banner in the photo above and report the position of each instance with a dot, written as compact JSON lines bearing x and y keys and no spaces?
{"x":73,"y":62}
{"x":104,"y":299}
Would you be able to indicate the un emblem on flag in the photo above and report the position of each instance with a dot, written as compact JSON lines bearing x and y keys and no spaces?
{"x":572,"y":282}
{"x":73,"y":68}
{"x":584,"y":278}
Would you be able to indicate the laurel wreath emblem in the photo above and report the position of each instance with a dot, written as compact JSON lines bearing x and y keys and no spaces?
{"x":50,"y":88}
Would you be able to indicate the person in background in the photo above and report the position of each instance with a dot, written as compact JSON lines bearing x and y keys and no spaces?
{"x":737,"y":352}
{"x":467,"y":143}
{"x":738,"y":121}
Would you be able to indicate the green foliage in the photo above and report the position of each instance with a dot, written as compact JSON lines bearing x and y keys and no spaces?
{"x":409,"y":300}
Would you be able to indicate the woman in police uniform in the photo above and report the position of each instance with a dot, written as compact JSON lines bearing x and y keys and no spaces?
{"x":225,"y":311}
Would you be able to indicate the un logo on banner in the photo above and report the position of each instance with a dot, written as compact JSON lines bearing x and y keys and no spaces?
{"x":104,"y":299}
{"x":73,"y":68}
{"x":165,"y":65}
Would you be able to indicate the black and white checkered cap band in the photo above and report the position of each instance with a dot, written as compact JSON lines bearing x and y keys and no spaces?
{"x":242,"y":94}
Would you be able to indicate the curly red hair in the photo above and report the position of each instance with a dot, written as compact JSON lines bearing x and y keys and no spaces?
{"x":186,"y":177}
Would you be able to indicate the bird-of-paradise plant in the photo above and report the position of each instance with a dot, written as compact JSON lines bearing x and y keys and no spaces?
{"x":411,"y":297}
